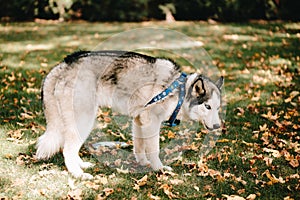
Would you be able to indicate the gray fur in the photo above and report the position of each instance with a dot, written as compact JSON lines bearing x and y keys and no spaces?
{"x":125,"y":81}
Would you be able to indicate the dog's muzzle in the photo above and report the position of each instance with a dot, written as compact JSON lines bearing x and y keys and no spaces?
{"x":215,"y":126}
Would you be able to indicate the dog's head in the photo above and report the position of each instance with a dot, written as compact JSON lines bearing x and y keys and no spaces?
{"x":203,"y":100}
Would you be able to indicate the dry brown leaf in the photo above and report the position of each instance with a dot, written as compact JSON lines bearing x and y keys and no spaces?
{"x":294,"y":163}
{"x":275,"y":153}
{"x":152,"y":197}
{"x":101,"y":179}
{"x":263,"y":127}
{"x":176,"y":181}
{"x":74,"y":194}
{"x":105,"y":193}
{"x":268,"y":161}
{"x":233,"y":197}
{"x":197,"y":188}
{"x":122,"y":171}
{"x":108,"y":191}
{"x":273,"y":178}
{"x":288,"y":198}
{"x":168,"y":190}
{"x":141,"y":182}
{"x":271,"y":117}
{"x":171,"y":134}
{"x":293,"y":94}
{"x":92,"y":185}
{"x":239,"y":179}
{"x":251,"y":197}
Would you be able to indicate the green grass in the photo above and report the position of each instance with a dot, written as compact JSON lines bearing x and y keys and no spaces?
{"x":256,"y":154}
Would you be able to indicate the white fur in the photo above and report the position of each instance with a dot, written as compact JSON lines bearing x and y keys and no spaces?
{"x":209,"y":117}
{"x":73,"y":94}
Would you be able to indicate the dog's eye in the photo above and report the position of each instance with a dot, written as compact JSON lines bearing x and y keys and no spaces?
{"x":207,"y":106}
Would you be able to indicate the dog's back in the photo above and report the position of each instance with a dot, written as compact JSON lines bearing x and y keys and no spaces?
{"x":75,"y":88}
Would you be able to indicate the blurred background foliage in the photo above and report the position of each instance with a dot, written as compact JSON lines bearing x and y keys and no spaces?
{"x":143,"y":10}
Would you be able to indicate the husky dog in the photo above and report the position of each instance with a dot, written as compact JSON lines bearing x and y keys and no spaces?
{"x":146,"y":88}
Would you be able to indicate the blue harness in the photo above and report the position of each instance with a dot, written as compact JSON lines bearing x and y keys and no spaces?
{"x":179,"y":82}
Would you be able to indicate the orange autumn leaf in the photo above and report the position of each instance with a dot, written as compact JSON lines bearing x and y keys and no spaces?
{"x":294,"y":163}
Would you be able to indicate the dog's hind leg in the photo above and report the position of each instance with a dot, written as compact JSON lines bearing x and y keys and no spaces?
{"x":79,"y":112}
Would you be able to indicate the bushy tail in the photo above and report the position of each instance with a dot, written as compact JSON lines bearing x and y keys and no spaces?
{"x":49,"y":144}
{"x":52,"y":140}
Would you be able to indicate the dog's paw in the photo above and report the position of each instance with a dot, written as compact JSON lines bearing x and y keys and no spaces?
{"x":142,"y":160}
{"x":156,"y":166}
{"x":85,"y":165}
{"x":82,"y":176}
{"x":86,"y":176}
{"x":167,"y":168}
{"x":79,"y":174}
{"x":144,"y":163}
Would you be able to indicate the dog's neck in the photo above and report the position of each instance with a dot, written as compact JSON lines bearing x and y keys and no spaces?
{"x":182,"y":115}
{"x":180,"y":85}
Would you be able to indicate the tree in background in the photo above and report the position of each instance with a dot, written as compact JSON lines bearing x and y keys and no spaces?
{"x":60,"y":7}
{"x":168,"y":9}
{"x":142,"y":10}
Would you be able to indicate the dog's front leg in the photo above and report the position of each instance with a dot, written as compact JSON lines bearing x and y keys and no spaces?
{"x":152,"y":151}
{"x":146,"y":151}
{"x":146,"y":141}
{"x":139,"y":148}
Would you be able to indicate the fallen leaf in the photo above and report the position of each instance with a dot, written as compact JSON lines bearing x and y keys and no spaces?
{"x":294,"y":163}
{"x":122,"y":171}
{"x":171,"y":134}
{"x":241,"y":191}
{"x":251,"y":197}
{"x":105,"y":193}
{"x":263,"y":127}
{"x":270,"y":116}
{"x":239,"y":179}
{"x":223,"y":140}
{"x":101,"y":179}
{"x":197,"y":188}
{"x":168,"y":190}
{"x":176,"y":181}
{"x":43,"y":192}
{"x":92,"y":185}
{"x":108,"y":191}
{"x":273,"y":178}
{"x":74,"y":194}
{"x":288,"y":198}
{"x":9,"y":156}
{"x":233,"y":197}
{"x":268,"y":161}
{"x":293,"y":94}
{"x":141,"y":182}
{"x":275,"y":153}
{"x":152,"y":197}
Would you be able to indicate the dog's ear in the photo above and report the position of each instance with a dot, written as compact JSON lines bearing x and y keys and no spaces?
{"x":198,"y":87}
{"x":220,"y":82}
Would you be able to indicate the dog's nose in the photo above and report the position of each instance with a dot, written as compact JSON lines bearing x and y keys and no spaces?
{"x":216,"y":126}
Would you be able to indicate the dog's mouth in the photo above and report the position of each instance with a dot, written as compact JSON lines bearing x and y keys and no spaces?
{"x":215,"y":127}
{"x":208,"y":128}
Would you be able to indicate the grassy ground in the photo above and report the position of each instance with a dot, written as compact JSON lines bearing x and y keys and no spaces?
{"x":256,"y":157}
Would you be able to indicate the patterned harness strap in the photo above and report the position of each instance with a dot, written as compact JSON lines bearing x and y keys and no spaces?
{"x":179,"y":82}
